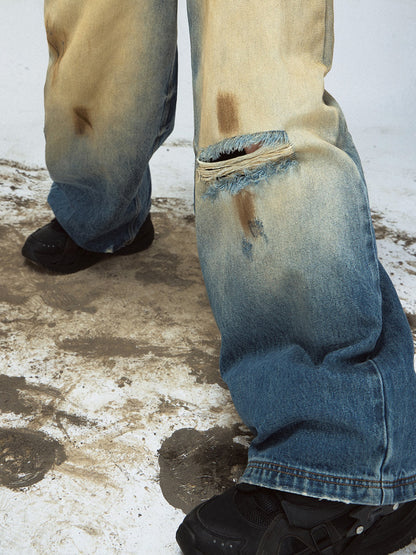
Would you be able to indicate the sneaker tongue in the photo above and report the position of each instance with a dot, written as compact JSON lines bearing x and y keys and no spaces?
{"x":306,"y":512}
{"x":258,"y":505}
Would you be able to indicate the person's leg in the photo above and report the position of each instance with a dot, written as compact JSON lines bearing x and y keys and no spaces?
{"x":316,"y":349}
{"x":110,"y":98}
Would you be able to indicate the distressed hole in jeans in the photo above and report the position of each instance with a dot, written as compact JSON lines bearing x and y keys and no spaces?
{"x":235,"y":163}
{"x":230,"y":155}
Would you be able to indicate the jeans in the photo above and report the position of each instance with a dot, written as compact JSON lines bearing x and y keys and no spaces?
{"x":316,"y":349}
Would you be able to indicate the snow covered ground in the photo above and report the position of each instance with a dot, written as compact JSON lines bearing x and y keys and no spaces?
{"x":126,"y":398}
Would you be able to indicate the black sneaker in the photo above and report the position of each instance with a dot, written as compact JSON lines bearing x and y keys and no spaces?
{"x":250,"y":520}
{"x":51,"y":247}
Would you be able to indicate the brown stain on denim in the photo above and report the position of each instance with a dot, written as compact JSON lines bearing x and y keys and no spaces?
{"x":227,"y":113}
{"x":244,"y":203}
{"x":82,"y":120}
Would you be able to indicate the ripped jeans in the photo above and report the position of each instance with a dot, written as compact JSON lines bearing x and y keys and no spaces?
{"x":316,"y":349}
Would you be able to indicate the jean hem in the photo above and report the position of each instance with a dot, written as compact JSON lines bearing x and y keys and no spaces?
{"x":111,"y":241}
{"x":326,"y":486}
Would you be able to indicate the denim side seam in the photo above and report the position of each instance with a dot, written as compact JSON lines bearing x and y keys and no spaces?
{"x":385,"y":430}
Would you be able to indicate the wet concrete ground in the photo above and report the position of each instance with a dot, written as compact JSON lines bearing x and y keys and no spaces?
{"x":114,"y":420}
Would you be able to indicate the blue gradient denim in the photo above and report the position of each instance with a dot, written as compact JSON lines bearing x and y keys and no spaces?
{"x":316,"y":349}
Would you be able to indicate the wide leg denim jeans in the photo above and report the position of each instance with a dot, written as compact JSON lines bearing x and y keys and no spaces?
{"x":316,"y":349}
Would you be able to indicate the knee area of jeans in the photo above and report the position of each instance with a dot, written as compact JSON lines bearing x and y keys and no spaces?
{"x":229,"y":175}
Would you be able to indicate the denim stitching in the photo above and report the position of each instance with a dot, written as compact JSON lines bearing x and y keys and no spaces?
{"x":386,"y":432}
{"x":309,"y":475}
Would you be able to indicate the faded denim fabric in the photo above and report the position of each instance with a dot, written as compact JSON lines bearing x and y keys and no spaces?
{"x":316,"y":349}
{"x":110,"y":97}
